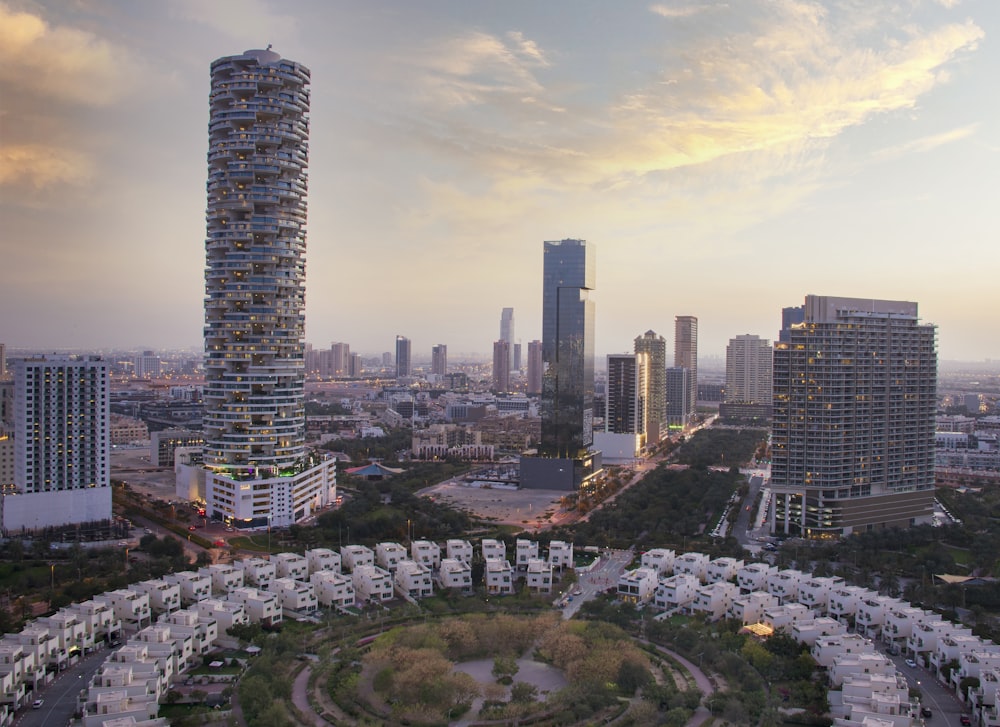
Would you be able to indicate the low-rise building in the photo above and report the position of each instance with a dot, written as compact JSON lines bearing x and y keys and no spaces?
{"x":659,"y":559}
{"x":676,"y":592}
{"x":353,"y":556}
{"x":748,"y":608}
{"x":754,"y":576}
{"x":257,"y":572}
{"x":371,"y":583}
{"x":455,"y":574}
{"x":262,"y":607}
{"x":637,"y":585}
{"x":560,"y":554}
{"x":194,"y":587}
{"x":129,"y":606}
{"x":333,"y":589}
{"x":291,"y":565}
{"x":723,"y":569}
{"x":295,"y":595}
{"x":499,"y":577}
{"x":225,"y":613}
{"x":426,"y":553}
{"x":784,"y":617}
{"x":459,"y":550}
{"x":695,"y":564}
{"x":414,"y":579}
{"x":715,"y":599}
{"x":164,"y":595}
{"x":785,"y":584}
{"x":525,"y":550}
{"x":225,"y":578}
{"x":809,"y":630}
{"x":320,"y":559}
{"x":814,"y":592}
{"x":494,"y":549}
{"x":390,"y":555}
{"x":538,"y":576}
{"x":828,"y":649}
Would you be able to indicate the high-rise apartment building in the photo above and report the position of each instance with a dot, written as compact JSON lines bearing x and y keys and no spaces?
{"x":146,"y":365}
{"x":340,"y":357}
{"x":535,"y":368}
{"x":501,"y":366}
{"x":855,"y":388}
{"x":655,"y":348}
{"x":62,"y":443}
{"x":567,"y":402}
{"x":403,"y":365}
{"x":254,"y":421}
{"x":626,"y":393}
{"x":678,"y":391}
{"x":686,"y":356}
{"x":439,"y":359}
{"x":748,"y":370}
{"x":507,"y":333}
{"x":516,"y":366}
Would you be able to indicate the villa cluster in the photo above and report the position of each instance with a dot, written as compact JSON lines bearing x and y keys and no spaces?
{"x":819,"y":611}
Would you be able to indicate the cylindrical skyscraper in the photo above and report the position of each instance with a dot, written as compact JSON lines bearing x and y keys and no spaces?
{"x":255,"y":274}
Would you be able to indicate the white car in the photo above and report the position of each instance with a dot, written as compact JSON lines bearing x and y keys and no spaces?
{"x":37,"y":704}
{"x":911,"y":663}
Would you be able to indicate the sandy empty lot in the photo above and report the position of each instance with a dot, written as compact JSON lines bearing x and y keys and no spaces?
{"x":530,"y":509}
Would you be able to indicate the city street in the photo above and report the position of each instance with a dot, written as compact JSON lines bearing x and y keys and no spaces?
{"x":59,"y":699}
{"x":602,"y":576}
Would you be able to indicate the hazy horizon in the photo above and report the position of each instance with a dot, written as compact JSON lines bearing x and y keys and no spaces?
{"x":725,"y":159}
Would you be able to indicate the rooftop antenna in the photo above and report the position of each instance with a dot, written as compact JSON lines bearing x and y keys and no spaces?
{"x":269,"y":46}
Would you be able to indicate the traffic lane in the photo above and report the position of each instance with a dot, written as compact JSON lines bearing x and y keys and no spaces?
{"x":597,"y":580}
{"x":59,"y":699}
{"x":945,"y":705}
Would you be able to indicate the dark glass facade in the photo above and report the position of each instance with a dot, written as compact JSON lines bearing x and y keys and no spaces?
{"x":567,"y":349}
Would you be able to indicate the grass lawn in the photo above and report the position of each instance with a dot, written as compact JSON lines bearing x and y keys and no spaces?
{"x":252,"y":542}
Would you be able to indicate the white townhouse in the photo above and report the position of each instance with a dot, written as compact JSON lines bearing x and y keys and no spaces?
{"x":785,"y":584}
{"x":459,"y":550}
{"x":870,"y":617}
{"x":925,"y":637}
{"x":69,"y":632}
{"x":12,"y":681}
{"x":983,"y":699}
{"x":322,"y":559}
{"x":524,"y":550}
{"x":204,"y":630}
{"x":123,"y":693}
{"x":676,"y":592}
{"x":844,"y":601}
{"x":754,"y":576}
{"x":291,"y":565}
{"x":99,"y":620}
{"x":828,"y":649}
{"x":867,"y":700}
{"x":173,"y":650}
{"x":560,"y":554}
{"x":21,"y":661}
{"x":257,"y":572}
{"x":499,"y":577}
{"x":352,"y":556}
{"x":809,"y":630}
{"x":637,"y":585}
{"x":426,"y":553}
{"x":659,"y":559}
{"x":225,"y":578}
{"x":815,"y":591}
{"x":295,"y":595}
{"x":131,"y":607}
{"x":694,"y":564}
{"x":261,"y":606}
{"x":390,"y":555}
{"x":333,"y":589}
{"x":371,"y":583}
{"x":455,"y":574}
{"x":715,"y":599}
{"x":950,"y":647}
{"x":723,"y":569}
{"x":784,"y":617}
{"x":225,"y":613}
{"x":493,"y":549}
{"x":414,"y":579}
{"x":538,"y":576}
{"x":748,"y":608}
{"x":164,"y":595}
{"x":972,"y":665}
{"x":899,"y":623}
{"x":870,"y":662}
{"x":194,"y":586}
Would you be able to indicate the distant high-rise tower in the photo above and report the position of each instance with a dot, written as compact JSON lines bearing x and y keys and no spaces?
{"x":678,"y":391}
{"x":147,"y":365}
{"x":355,"y":368}
{"x":855,"y":389}
{"x":535,"y":368}
{"x":501,"y":366}
{"x":62,"y":443}
{"x":507,"y":333}
{"x":686,"y":356}
{"x":516,"y":366}
{"x":403,"y":366}
{"x":439,"y":359}
{"x":254,"y":420}
{"x":655,"y":347}
{"x":790,"y":316}
{"x":748,"y":370}
{"x":626,"y":393}
{"x":340,"y":357}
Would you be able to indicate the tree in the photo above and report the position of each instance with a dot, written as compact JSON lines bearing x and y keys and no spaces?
{"x":523,"y":692}
{"x":504,"y":668}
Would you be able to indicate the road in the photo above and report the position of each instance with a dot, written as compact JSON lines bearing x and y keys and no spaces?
{"x":597,"y":580}
{"x":943,"y":703}
{"x":59,"y":699}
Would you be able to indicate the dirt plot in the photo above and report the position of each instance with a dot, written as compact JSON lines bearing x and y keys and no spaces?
{"x":535,"y":509}
{"x":132,"y":466}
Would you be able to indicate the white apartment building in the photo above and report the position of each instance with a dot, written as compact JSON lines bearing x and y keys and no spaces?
{"x":637,"y":585}
{"x":194,"y":587}
{"x":871,"y":614}
{"x":715,"y":599}
{"x":754,"y":576}
{"x":808,"y":631}
{"x":494,"y":549}
{"x":130,"y":607}
{"x":659,"y":559}
{"x":353,"y":556}
{"x":226,"y":614}
{"x":828,"y":649}
{"x":455,"y":574}
{"x":225,"y":578}
{"x":414,"y":579}
{"x":844,"y":601}
{"x":372,"y":583}
{"x":870,"y":662}
{"x":560,"y":554}
{"x":426,"y":553}
{"x":538,"y":576}
{"x":320,"y":559}
{"x":785,"y":584}
{"x":723,"y":569}
{"x":290,"y":565}
{"x":749,"y":608}
{"x":865,"y":700}
{"x":784,"y":617}
{"x":333,"y":589}
{"x":459,"y":550}
{"x":390,"y":555}
{"x":815,"y":591}
{"x":257,"y":572}
{"x":164,"y":596}
{"x":499,"y":577}
{"x":677,"y":592}
{"x":525,"y":550}
{"x":261,"y":606}
{"x":295,"y":595}
{"x":899,"y":623}
{"x":695,"y":564}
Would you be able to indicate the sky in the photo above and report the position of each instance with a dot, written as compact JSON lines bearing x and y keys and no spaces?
{"x":725,"y":159}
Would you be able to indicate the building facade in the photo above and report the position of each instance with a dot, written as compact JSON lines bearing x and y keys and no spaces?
{"x":254,"y":419}
{"x":655,"y":412}
{"x":748,"y":370}
{"x":686,"y":356}
{"x":501,"y":366}
{"x":855,"y":387}
{"x":678,"y":391}
{"x":507,"y":334}
{"x":535,"y":368}
{"x":439,"y":359}
{"x":403,"y":363}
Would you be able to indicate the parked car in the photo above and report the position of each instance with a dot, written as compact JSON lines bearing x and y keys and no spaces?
{"x":37,"y":704}
{"x":964,"y":720}
{"x":911,"y":663}
{"x":926,"y":712}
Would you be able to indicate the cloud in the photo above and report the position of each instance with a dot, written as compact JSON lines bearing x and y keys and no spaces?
{"x":927,"y":143}
{"x":949,"y":4}
{"x":681,"y":11}
{"x":60,"y":62}
{"x":41,"y":166}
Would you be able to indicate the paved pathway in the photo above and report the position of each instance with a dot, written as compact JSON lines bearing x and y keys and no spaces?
{"x":300,"y":698}
{"x":704,"y":684}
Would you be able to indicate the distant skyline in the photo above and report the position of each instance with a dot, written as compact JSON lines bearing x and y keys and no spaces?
{"x":724,"y":159}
